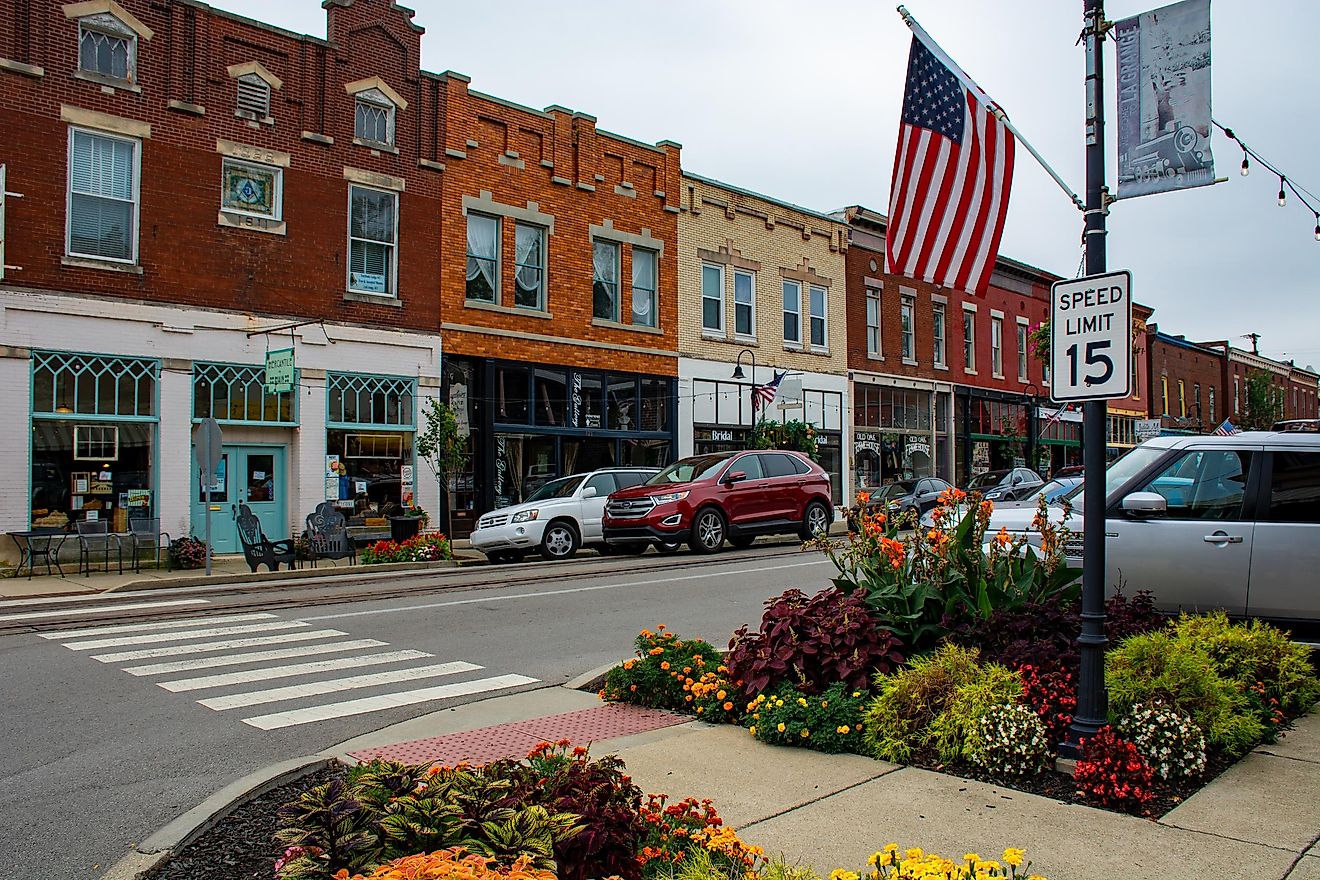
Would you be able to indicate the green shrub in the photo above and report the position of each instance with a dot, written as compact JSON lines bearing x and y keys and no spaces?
{"x":1253,"y":654}
{"x":1161,"y":667}
{"x":655,"y":678}
{"x":932,"y":708}
{"x":830,"y":721}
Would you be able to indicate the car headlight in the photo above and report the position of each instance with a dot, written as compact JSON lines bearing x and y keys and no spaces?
{"x":525,"y":516}
{"x":993,"y":494}
{"x":669,"y":497}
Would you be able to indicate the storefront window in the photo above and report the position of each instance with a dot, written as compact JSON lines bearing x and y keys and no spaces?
{"x":511,"y":395}
{"x":523,"y":464}
{"x":656,"y":395}
{"x":587,"y":392}
{"x":370,"y":423}
{"x":622,"y":399}
{"x":587,"y":454}
{"x":358,"y":399}
{"x":235,"y":393}
{"x":551,"y":397}
{"x":646,"y":453}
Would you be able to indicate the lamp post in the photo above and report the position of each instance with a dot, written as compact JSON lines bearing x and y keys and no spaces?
{"x":738,"y":372}
{"x":1033,"y":419}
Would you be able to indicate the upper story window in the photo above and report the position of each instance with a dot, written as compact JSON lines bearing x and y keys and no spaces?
{"x":907,"y":314}
{"x":872,"y":322}
{"x":969,"y":341}
{"x":644,"y":271}
{"x":605,"y":280}
{"x":792,"y":313}
{"x":374,"y":118}
{"x":107,"y":46}
{"x":744,"y":304}
{"x":938,"y":333}
{"x":818,"y":299}
{"x":103,"y":196}
{"x":1022,"y":352}
{"x":997,"y":346}
{"x":1211,"y":392}
{"x":483,"y":258}
{"x":529,"y":274}
{"x":712,"y":298}
{"x":252,"y":188}
{"x":372,"y":238}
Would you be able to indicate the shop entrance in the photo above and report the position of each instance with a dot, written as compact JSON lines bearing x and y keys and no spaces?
{"x":252,"y":475}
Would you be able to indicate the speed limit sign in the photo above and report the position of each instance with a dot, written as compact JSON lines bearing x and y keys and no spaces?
{"x":1091,"y":337}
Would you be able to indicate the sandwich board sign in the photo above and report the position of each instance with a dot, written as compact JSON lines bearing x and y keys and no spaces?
{"x":1091,"y":337}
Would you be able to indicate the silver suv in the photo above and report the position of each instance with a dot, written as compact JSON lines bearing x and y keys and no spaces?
{"x":1212,"y":522}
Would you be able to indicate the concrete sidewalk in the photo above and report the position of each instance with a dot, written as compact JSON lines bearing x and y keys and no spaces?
{"x":1261,"y":819}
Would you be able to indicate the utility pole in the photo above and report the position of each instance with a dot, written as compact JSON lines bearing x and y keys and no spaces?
{"x":1255,"y":341}
{"x":1092,"y":699}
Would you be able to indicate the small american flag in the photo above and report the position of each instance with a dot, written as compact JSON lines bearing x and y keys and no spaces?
{"x":764,"y":395}
{"x":952,"y":174}
{"x":1227,"y":429}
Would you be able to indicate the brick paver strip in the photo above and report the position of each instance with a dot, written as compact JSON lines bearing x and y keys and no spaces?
{"x":517,"y":738}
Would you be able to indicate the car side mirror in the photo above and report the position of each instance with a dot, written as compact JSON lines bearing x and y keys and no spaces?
{"x":1144,"y":505}
{"x":589,"y":492}
{"x":735,"y":477}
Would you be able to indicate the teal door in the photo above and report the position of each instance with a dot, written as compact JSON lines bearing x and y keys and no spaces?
{"x":251,"y":475}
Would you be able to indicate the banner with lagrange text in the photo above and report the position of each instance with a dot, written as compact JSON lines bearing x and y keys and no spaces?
{"x":1164,"y":100}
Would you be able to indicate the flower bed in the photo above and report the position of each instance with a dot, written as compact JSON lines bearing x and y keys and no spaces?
{"x":930,"y":650}
{"x":419,"y":548}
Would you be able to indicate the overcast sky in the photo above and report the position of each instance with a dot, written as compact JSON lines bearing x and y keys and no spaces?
{"x":800,"y":101}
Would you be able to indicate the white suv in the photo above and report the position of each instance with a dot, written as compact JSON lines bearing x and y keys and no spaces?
{"x":557,"y":519}
{"x":1211,"y":522}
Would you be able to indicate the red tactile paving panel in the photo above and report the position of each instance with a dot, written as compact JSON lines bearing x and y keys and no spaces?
{"x":516,"y":739}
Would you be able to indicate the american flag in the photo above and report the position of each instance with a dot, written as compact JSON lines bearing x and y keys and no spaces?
{"x":764,"y":395}
{"x":1227,"y":429}
{"x":952,"y":174}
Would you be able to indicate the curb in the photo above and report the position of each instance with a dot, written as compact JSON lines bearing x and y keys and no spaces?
{"x":155,"y":850}
{"x":592,"y":679}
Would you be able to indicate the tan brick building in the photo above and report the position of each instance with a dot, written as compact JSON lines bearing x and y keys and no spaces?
{"x":760,"y":289}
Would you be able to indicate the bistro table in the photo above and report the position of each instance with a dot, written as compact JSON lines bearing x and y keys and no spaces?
{"x":35,"y":544}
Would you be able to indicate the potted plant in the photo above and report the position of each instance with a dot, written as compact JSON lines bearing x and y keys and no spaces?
{"x":408,"y":523}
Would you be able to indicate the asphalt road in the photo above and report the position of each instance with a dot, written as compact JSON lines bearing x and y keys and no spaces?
{"x":96,"y":758}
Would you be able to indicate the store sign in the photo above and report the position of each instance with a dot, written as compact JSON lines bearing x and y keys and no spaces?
{"x":407,"y":486}
{"x":1091,"y":337}
{"x":724,"y":436}
{"x":918,"y":449}
{"x":367,"y":282}
{"x":458,"y":403}
{"x":279,"y":371}
{"x":1146,"y":429}
{"x":577,"y":400}
{"x":866,"y":440}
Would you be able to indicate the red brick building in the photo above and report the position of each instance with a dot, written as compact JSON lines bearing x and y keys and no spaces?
{"x":1187,"y":382}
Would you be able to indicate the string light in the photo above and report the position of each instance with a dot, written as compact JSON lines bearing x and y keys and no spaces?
{"x":1309,"y":200}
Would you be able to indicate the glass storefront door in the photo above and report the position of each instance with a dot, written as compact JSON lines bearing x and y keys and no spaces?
{"x":251,"y":475}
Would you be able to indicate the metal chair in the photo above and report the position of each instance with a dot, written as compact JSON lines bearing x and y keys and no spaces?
{"x":95,"y":537}
{"x":145,"y":533}
{"x":327,"y":535}
{"x":258,"y":550}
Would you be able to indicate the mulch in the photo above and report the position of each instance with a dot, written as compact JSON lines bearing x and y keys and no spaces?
{"x":242,"y":845}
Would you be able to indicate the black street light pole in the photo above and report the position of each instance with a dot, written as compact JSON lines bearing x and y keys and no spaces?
{"x":1092,"y":700}
{"x":737,"y":369}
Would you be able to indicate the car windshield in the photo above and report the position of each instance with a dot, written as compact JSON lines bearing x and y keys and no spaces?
{"x":699,"y":467}
{"x":1122,"y":470}
{"x":1054,"y":489}
{"x":987,"y":480}
{"x":560,"y":488}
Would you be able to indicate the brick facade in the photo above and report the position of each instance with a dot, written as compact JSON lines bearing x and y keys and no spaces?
{"x":1186,"y":382}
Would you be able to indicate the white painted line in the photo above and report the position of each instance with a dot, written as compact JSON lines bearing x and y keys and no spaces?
{"x":245,"y":676}
{"x":565,"y":592}
{"x":371,"y":679}
{"x":293,"y":717}
{"x":254,"y":657}
{"x":150,"y":638}
{"x":146,"y":627}
{"x":109,"y":609}
{"x":226,"y":645}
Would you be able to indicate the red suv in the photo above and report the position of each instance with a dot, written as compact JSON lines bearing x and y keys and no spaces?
{"x":706,"y":499}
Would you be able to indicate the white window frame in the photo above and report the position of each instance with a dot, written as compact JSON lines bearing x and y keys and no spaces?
{"x":109,"y":437}
{"x":705,"y":295}
{"x":108,"y":25}
{"x":375,"y":101}
{"x":68,"y":196}
{"x":939,"y":332}
{"x":907,"y":325}
{"x":1022,"y":366}
{"x":392,"y":291}
{"x":796,"y":313}
{"x":278,"y":214}
{"x":541,"y":300}
{"x":499,"y":252}
{"x":969,"y":340}
{"x":823,"y":317}
{"x":653,"y":292}
{"x":750,"y":305}
{"x":997,"y":347}
{"x":874,"y":340}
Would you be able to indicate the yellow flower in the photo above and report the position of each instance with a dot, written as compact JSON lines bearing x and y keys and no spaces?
{"x":915,"y":853}
{"x":805,"y":733}
{"x":971,"y":857}
{"x":824,"y":703}
{"x":841,"y":874}
{"x":891,"y":848}
{"x":873,"y":859}
{"x":886,"y":859}
{"x":1013,"y":856}
{"x":752,"y":730}
{"x":802,"y":702}
{"x":781,"y":727}
{"x":857,"y":693}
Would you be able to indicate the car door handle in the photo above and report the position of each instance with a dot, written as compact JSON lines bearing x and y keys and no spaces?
{"x":1221,"y":538}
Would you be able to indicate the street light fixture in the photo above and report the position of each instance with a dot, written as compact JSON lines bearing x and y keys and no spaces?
{"x":737,"y":367}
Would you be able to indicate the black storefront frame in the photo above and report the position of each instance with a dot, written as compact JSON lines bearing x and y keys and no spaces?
{"x":484,"y":396}
{"x":963,"y":397}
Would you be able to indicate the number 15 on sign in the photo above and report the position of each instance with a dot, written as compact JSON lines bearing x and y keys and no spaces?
{"x":1091,"y":337}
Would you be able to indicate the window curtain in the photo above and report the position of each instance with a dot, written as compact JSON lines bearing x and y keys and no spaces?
{"x":529,"y":259}
{"x":101,"y":201}
{"x":482,"y":241}
{"x":605,"y":266}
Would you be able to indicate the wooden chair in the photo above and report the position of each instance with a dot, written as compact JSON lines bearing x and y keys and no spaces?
{"x":327,"y":535}
{"x":258,"y":550}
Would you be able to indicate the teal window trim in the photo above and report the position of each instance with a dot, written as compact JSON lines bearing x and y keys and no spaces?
{"x":203,"y":369}
{"x":60,"y":363}
{"x":373,"y":384}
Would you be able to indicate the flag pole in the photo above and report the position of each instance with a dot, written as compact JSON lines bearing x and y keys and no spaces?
{"x":919,"y":32}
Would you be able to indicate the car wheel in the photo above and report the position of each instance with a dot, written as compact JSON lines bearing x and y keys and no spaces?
{"x":708,"y":531}
{"x":742,"y":542}
{"x":815,"y":519}
{"x":497,"y":557}
{"x":666,"y":547}
{"x":560,"y":541}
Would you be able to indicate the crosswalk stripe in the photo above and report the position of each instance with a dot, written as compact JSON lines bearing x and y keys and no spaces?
{"x":253,"y":657}
{"x":226,"y":645}
{"x":150,"y":638}
{"x":159,"y":625}
{"x":249,"y":675}
{"x":371,"y":679}
{"x":362,"y":706}
{"x":108,"y":609}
